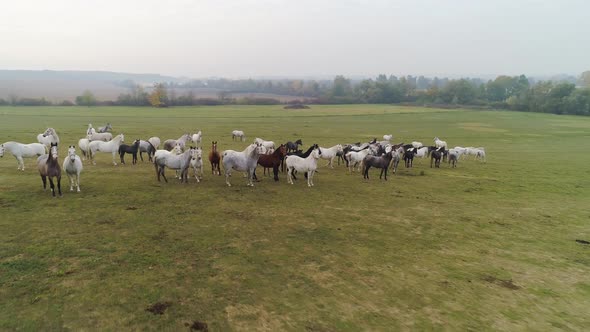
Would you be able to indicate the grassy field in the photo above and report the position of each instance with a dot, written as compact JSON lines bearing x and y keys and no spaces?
{"x":485,"y":246}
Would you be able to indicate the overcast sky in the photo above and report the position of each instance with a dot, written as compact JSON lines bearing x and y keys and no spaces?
{"x":200,"y":38}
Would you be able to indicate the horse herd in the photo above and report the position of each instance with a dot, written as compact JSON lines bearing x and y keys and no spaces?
{"x":179,"y":156}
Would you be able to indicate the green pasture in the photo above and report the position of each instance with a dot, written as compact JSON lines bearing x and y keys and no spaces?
{"x":485,"y":246}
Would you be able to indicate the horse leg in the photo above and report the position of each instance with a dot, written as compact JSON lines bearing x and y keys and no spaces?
{"x":21,"y":163}
{"x":310,"y":178}
{"x":385,"y":170}
{"x":114,"y":162}
{"x":52,"y":186}
{"x":163,"y":175}
{"x":44,"y":179}
{"x":71,"y":178}
{"x":134,"y":161}
{"x":275,"y":171}
{"x":122,"y":155}
{"x":289,"y":175}
{"x":78,"y":181}
{"x":59,"y":185}
{"x":227,"y":175}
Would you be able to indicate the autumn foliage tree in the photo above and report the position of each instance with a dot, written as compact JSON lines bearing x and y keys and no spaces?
{"x":159,"y":96}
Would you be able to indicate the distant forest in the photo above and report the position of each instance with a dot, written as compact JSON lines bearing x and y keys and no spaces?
{"x":517,"y":93}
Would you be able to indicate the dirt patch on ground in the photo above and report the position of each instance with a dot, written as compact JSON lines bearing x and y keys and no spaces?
{"x":506,"y":283}
{"x":158,"y":308}
{"x":132,"y":208}
{"x":198,"y":326}
{"x":583,"y":241}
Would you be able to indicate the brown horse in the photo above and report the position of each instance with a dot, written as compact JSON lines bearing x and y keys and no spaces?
{"x":48,"y":166}
{"x":214,"y":158}
{"x":273,"y":160}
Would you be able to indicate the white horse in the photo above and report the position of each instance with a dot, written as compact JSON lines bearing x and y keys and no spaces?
{"x":422,"y":152}
{"x":387,"y":137}
{"x":197,"y":164}
{"x":182,"y":140}
{"x":163,"y":153}
{"x":47,"y":137}
{"x":73,"y":166}
{"x":304,"y":165}
{"x":83,"y":144}
{"x":356,"y":158}
{"x":180,"y":162}
{"x":104,"y":137}
{"x":244,"y":161}
{"x":417,"y":145}
{"x":155,"y":141}
{"x":20,"y":151}
{"x":266,"y":144}
{"x":330,"y":153}
{"x":438,"y":143}
{"x":111,"y":146}
{"x":238,"y":134}
{"x":196,"y":138}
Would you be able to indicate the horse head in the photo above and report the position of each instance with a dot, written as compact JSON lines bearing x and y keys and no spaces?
{"x":72,"y":153}
{"x":198,"y":154}
{"x":298,"y":142}
{"x":48,"y":132}
{"x":53,"y":151}
{"x":1,"y":150}
{"x":339,"y":148}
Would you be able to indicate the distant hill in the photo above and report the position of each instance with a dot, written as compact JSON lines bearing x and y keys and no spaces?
{"x":75,"y":75}
{"x":58,"y":85}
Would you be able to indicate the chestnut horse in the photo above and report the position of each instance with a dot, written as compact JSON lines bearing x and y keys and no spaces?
{"x":214,"y":158}
{"x":273,"y":160}
{"x":49,"y":167}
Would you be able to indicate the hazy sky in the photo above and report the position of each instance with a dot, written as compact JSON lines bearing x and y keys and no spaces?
{"x":199,"y":38}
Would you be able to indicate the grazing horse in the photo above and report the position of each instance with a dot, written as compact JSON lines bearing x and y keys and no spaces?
{"x":170,"y":143}
{"x":196,"y":138}
{"x":197,"y":164}
{"x":111,"y":146}
{"x":47,"y":137}
{"x":244,"y":161}
{"x":73,"y":166}
{"x":48,"y":166}
{"x":273,"y":160}
{"x":239,"y":135}
{"x":330,"y":153}
{"x":179,"y":162}
{"x":293,"y":146}
{"x":387,"y":137}
{"x":409,"y":157}
{"x":148,"y":147}
{"x":19,"y":150}
{"x":436,"y":155}
{"x":214,"y":159}
{"x":105,"y":129}
{"x":307,"y":165}
{"x":377,"y":162}
{"x":131,"y":149}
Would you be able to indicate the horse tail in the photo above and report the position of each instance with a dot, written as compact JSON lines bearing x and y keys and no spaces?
{"x":153,"y":148}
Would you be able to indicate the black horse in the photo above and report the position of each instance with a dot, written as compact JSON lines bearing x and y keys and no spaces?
{"x":293,"y":147}
{"x":436,"y":155}
{"x":377,"y":162}
{"x":409,"y":156}
{"x":132,"y":149}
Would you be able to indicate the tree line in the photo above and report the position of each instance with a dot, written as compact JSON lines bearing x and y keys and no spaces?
{"x":517,"y":93}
